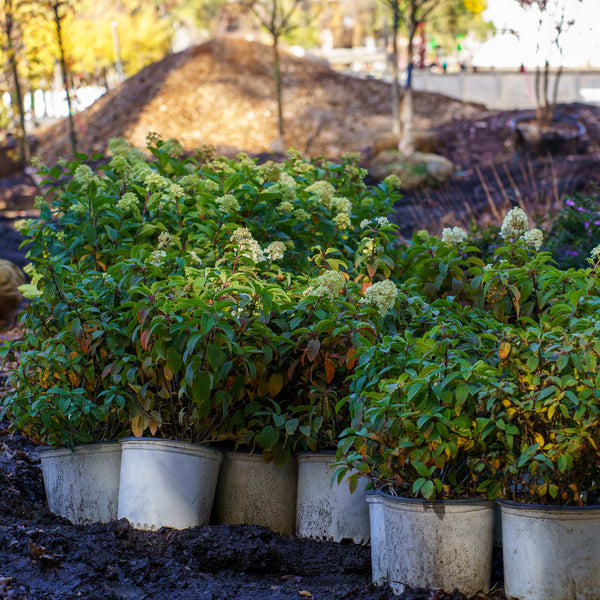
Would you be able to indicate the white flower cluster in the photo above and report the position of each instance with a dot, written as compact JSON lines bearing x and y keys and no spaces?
{"x":227,"y":203}
{"x":270,"y":170}
{"x":121,"y":147}
{"x":454,"y":236}
{"x":285,"y":207}
{"x":156,"y":257}
{"x":127,"y":203}
{"x":247,"y":245}
{"x":595,"y":253}
{"x":382,"y":294}
{"x":301,"y":215}
{"x":322,"y":193}
{"x":534,"y":237}
{"x":377,"y":222}
{"x":275,"y":251}
{"x":342,"y":221}
{"x":329,"y":284}
{"x":165,"y":240}
{"x":194,"y":256}
{"x":515,"y":224}
{"x":83,"y":174}
{"x":392,"y":182}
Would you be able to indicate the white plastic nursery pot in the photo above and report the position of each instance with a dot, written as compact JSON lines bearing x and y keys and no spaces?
{"x":167,"y":483}
{"x":83,"y":485}
{"x":446,"y":544}
{"x":377,"y":526}
{"x":550,"y":552}
{"x":253,"y":492}
{"x":326,"y":511}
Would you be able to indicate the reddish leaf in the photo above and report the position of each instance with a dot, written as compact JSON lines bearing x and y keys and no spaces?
{"x":145,"y":340}
{"x":351,"y":359}
{"x":329,"y":370}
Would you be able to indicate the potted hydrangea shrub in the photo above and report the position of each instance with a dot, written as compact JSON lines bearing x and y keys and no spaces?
{"x":547,"y":411}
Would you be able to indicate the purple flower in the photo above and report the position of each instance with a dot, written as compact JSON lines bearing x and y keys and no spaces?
{"x":570,"y":202}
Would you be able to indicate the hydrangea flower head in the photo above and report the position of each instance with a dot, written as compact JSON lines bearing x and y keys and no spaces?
{"x":382,"y":294}
{"x":329,"y":284}
{"x":247,"y":245}
{"x":227,"y":204}
{"x":515,"y":224}
{"x":534,"y":237}
{"x":454,"y":236}
{"x":275,"y":251}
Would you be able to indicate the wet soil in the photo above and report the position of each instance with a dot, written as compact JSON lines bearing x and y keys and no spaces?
{"x":44,"y":557}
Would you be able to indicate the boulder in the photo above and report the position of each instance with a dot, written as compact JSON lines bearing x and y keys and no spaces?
{"x":11,"y":277}
{"x":419,"y":170}
{"x":424,"y":141}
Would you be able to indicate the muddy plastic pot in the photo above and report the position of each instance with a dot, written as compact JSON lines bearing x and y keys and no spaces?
{"x":550,"y":552}
{"x":253,"y":492}
{"x":377,"y":527}
{"x":446,"y":544}
{"x":167,"y":483}
{"x":326,"y":510}
{"x":83,"y":485}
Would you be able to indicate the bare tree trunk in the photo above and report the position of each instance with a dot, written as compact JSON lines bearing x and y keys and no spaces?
{"x":555,"y":93}
{"x":65,"y":77}
{"x":407,"y":143}
{"x":23,"y":142}
{"x":396,"y":125}
{"x":538,"y":94}
{"x":277,"y":67}
{"x":546,"y":111}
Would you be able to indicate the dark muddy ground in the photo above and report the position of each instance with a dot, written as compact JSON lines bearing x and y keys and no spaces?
{"x":44,"y":557}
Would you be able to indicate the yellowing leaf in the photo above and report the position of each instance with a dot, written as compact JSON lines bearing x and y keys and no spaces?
{"x":539,"y":439}
{"x":275,"y":384}
{"x":137,"y":425}
{"x":504,"y":349}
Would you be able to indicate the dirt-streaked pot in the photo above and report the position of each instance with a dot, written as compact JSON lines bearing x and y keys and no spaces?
{"x":83,"y":485}
{"x":167,"y":483}
{"x":253,"y":492}
{"x":446,"y":544}
{"x":377,"y":527}
{"x":550,"y":552}
{"x":326,"y":510}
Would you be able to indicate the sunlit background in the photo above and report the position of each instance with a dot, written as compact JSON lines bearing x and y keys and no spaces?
{"x":107,"y":41}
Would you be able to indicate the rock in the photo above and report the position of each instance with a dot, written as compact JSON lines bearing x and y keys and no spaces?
{"x":419,"y":170}
{"x":425,"y":141}
{"x":11,"y":277}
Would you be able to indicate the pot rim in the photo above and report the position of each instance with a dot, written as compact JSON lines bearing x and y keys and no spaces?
{"x":439,"y":502}
{"x":170,"y":444}
{"x":81,"y":447}
{"x":546,"y":507}
{"x":581,"y":128}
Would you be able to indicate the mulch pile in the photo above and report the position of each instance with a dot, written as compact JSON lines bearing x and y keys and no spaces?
{"x":221,"y":94}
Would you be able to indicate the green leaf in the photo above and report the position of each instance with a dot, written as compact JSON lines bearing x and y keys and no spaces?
{"x":266,"y":437}
{"x":201,"y":387}
{"x":174,"y":361}
{"x":462,"y":392}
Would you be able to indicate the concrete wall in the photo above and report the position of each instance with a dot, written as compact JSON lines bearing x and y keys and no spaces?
{"x":508,"y":89}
